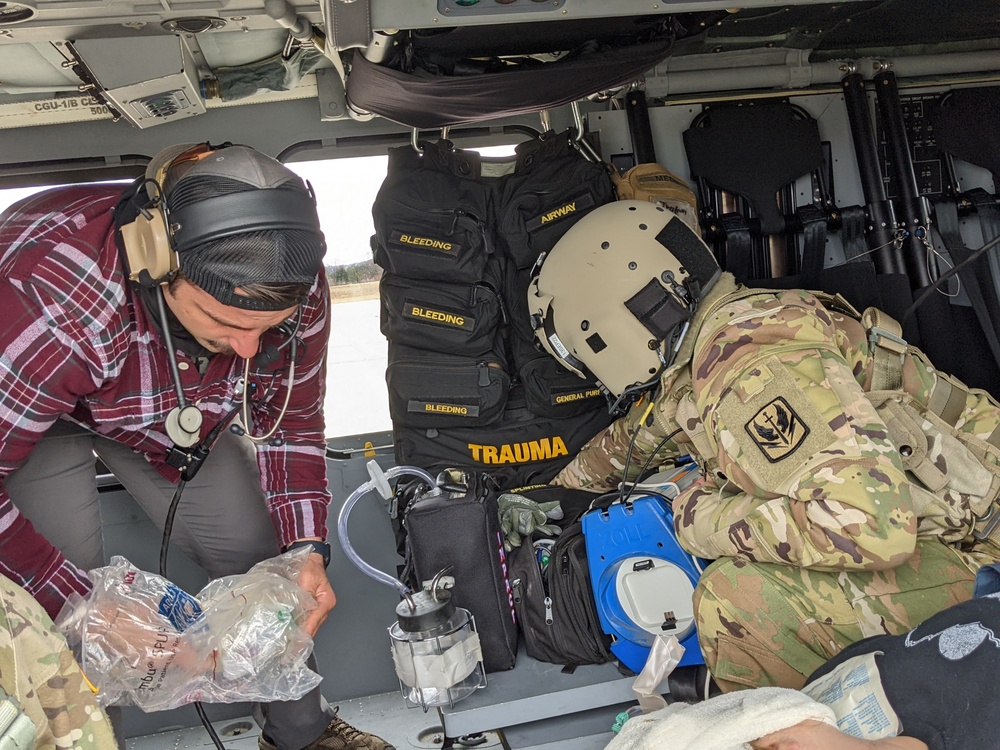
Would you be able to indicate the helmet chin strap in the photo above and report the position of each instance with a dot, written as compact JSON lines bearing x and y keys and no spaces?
{"x":620,"y":405}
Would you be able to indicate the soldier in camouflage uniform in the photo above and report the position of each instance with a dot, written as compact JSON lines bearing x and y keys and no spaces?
{"x":38,"y":669}
{"x":849,"y":487}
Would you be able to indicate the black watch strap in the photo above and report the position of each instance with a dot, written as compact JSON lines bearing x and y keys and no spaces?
{"x":321,"y":548}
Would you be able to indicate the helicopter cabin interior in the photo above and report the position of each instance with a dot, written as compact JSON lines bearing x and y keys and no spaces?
{"x":852,"y":146}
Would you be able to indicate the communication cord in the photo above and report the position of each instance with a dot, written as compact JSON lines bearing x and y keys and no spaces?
{"x":645,"y":465}
{"x":168,"y":527}
{"x":947,"y":275}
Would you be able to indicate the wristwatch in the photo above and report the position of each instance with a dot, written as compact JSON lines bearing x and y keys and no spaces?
{"x":322,"y":548}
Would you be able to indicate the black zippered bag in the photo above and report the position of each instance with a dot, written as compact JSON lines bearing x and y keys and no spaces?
{"x":550,"y":390}
{"x":454,"y":318}
{"x":555,"y":609}
{"x":430,"y":225}
{"x":429,"y":389}
{"x":456,"y":526}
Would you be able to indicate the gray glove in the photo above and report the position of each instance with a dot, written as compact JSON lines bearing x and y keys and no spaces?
{"x":520,"y":516}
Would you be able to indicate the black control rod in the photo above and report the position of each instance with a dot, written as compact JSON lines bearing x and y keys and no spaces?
{"x":880,"y":229}
{"x":910,"y":206}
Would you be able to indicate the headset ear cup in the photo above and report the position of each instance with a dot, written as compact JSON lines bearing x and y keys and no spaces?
{"x":147,"y":246}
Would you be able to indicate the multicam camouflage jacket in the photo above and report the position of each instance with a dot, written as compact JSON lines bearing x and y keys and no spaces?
{"x":38,"y":669}
{"x":827,"y":442}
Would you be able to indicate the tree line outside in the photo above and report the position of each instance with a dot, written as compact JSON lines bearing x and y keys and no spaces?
{"x":353,"y":273}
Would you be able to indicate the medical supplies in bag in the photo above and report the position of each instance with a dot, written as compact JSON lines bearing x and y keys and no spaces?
{"x":554,"y":602}
{"x":550,"y":582}
{"x":145,"y":642}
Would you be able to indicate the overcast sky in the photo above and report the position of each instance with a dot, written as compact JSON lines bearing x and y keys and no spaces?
{"x":345,"y":190}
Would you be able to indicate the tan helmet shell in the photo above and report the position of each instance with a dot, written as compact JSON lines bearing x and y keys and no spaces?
{"x":577,"y":300}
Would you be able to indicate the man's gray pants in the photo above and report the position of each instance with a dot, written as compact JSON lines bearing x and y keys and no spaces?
{"x":221,"y":523}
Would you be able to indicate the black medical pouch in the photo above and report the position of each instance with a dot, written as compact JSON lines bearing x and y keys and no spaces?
{"x":553,"y":597}
{"x":434,"y":390}
{"x":440,"y":317}
{"x":554,"y":188}
{"x":430,"y":225}
{"x":550,"y":390}
{"x":455,"y":526}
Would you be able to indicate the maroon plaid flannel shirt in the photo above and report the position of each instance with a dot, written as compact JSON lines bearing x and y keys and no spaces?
{"x":74,"y":344}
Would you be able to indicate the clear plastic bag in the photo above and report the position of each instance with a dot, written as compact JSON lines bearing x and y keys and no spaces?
{"x":143,"y":641}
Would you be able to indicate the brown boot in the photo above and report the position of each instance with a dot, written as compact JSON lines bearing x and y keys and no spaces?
{"x":339,"y":735}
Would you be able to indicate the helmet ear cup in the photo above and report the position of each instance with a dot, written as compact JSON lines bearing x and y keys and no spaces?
{"x":147,"y":246}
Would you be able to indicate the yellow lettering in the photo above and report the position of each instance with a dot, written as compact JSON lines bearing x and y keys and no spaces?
{"x":540,"y":449}
{"x":443,"y":317}
{"x":409,"y":239}
{"x":447,"y":409}
{"x":578,"y":396}
{"x":519,"y":453}
{"x":559,"y":212}
{"x":558,"y":447}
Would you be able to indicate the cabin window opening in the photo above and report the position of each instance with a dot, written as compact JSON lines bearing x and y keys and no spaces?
{"x":356,"y":401}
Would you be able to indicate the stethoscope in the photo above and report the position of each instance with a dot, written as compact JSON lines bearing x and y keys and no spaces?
{"x":183,"y":423}
{"x":269,"y":355}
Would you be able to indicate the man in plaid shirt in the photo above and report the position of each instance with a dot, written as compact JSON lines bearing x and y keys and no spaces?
{"x":179,"y":331}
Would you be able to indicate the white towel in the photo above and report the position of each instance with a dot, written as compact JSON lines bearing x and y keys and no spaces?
{"x":726,"y":722}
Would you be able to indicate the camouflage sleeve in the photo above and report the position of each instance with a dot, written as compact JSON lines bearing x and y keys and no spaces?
{"x":806,"y":472}
{"x":626,"y":444}
{"x":38,"y":668}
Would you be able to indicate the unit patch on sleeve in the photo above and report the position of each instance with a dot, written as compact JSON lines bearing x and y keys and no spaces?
{"x":769,"y":425}
{"x":777,"y":430}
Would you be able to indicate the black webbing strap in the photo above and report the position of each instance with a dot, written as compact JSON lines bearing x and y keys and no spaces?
{"x":946,"y":218}
{"x":989,"y":224}
{"x":852,"y":232}
{"x":813,"y":221}
{"x":987,"y":211}
{"x":738,"y":246}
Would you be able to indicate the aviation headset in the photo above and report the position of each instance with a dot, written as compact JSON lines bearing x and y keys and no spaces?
{"x":155,"y":240}
{"x":160,"y":233}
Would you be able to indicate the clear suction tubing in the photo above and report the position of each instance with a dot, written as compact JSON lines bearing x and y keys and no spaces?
{"x":379,"y":481}
{"x":435,"y":647}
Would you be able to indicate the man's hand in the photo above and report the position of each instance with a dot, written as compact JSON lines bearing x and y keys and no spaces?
{"x":313,"y":579}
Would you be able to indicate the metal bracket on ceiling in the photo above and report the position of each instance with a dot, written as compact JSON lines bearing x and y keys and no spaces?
{"x":581,"y":143}
{"x":415,"y":138}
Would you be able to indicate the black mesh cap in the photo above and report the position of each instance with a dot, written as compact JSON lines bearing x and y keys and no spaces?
{"x":238,"y":217}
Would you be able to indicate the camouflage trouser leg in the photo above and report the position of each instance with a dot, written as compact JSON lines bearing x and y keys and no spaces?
{"x":37,"y":668}
{"x":764,"y":624}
